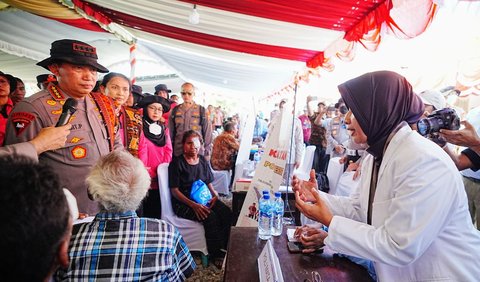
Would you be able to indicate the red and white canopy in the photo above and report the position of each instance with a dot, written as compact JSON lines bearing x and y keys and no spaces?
{"x":253,"y":46}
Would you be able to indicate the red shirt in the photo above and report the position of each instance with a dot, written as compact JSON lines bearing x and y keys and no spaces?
{"x":306,"y":127}
{"x":3,"y":119}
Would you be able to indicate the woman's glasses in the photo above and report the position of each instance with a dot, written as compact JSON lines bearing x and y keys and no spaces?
{"x":155,"y":109}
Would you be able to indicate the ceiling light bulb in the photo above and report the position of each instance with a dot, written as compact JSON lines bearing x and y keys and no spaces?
{"x":194,"y":17}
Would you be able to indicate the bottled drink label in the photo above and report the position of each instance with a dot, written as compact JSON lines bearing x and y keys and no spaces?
{"x":278,"y":210}
{"x":265,"y":218}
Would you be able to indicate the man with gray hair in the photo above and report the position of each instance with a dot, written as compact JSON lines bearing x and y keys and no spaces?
{"x":117,"y":245}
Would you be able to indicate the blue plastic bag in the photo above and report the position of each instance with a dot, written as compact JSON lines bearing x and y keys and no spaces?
{"x":200,"y":193}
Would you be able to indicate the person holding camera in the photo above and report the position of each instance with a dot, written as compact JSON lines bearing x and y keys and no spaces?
{"x":441,"y":125}
{"x":468,"y":161}
{"x":409,"y":214}
{"x":466,"y":137}
{"x":318,"y":135}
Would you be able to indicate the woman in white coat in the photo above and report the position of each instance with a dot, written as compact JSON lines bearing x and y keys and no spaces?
{"x":410,"y":213}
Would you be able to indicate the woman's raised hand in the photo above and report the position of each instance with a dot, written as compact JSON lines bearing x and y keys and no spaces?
{"x":305,"y":187}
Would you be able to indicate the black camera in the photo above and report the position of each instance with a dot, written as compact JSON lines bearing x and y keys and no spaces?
{"x":440,"y":119}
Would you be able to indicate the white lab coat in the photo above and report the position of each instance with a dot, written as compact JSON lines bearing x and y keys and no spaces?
{"x":421,"y":228}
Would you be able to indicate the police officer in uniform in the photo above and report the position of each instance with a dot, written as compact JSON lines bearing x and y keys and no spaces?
{"x":337,"y":133}
{"x":189,"y":116}
{"x":92,"y":135}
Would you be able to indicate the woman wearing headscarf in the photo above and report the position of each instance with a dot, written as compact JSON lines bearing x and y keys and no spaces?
{"x":410,"y":214}
{"x":155,"y":148}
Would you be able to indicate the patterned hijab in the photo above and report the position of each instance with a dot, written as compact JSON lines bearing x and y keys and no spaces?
{"x":380,"y":101}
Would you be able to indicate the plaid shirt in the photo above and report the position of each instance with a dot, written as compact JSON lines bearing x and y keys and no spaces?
{"x":124,"y":247}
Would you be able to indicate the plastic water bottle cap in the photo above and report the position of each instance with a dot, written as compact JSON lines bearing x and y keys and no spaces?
{"x":265,"y":192}
{"x":278,"y":194}
{"x":266,"y":196}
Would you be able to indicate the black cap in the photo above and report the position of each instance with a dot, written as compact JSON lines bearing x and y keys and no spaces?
{"x":73,"y":52}
{"x":162,"y":87}
{"x":137,"y":89}
{"x":46,"y":77}
{"x":150,"y":99}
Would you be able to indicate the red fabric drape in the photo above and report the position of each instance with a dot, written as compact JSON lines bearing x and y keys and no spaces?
{"x":371,"y":21}
{"x":336,"y":15}
{"x":92,"y":12}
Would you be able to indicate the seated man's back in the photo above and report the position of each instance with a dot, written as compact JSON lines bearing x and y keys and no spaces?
{"x":118,"y":245}
{"x":124,"y":247}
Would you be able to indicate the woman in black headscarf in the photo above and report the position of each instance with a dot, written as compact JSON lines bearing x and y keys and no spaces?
{"x":410,"y":213}
{"x":155,"y":148}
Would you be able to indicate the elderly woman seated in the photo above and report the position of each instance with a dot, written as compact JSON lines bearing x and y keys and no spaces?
{"x":117,"y":245}
{"x":183,"y":171}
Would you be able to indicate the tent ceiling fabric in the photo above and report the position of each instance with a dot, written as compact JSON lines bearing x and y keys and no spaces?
{"x":250,"y":46}
{"x":28,"y":37}
{"x":337,"y":15}
{"x":52,"y":10}
{"x":221,"y":29}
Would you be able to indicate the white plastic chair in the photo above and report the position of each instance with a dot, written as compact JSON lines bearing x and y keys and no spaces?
{"x":192,"y":232}
{"x":334,"y":171}
{"x":221,"y":181}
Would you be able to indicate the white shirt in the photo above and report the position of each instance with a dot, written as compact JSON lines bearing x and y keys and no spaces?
{"x":421,"y":228}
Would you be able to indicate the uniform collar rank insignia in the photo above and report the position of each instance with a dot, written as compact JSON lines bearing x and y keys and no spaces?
{"x":56,"y":94}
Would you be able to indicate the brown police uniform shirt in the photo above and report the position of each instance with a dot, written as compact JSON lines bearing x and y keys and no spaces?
{"x":85,"y":144}
{"x":182,"y":120}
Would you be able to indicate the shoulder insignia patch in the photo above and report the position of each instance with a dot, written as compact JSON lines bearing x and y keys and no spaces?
{"x":79,"y":152}
{"x":21,"y":120}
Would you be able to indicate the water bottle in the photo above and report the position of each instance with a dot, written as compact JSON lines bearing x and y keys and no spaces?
{"x":265,"y":219}
{"x":277,"y":227}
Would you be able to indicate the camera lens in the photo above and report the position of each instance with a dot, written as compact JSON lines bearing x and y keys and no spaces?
{"x":423,"y":127}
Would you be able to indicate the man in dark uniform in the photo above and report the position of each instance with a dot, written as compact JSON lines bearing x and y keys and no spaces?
{"x":162,"y":91}
{"x":92,"y":135}
{"x":189,"y":116}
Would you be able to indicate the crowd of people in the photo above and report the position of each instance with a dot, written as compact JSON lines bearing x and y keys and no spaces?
{"x":107,"y":156}
{"x":410,"y":217}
